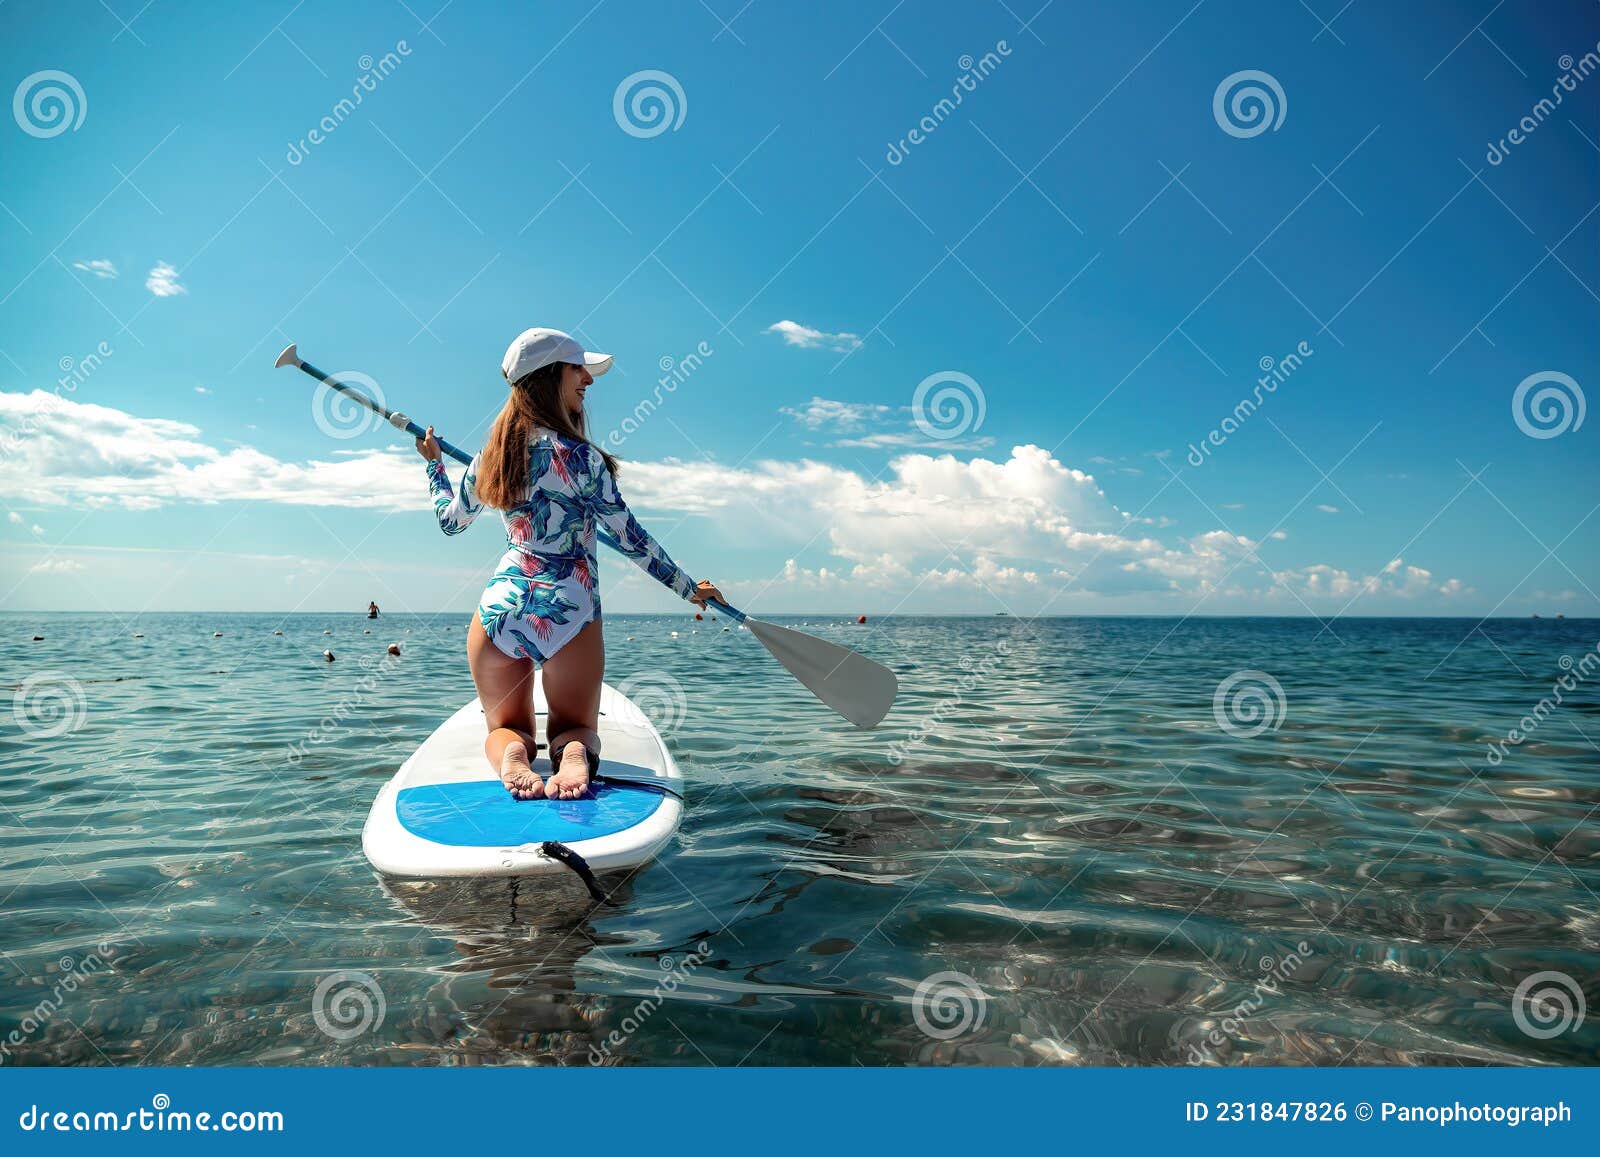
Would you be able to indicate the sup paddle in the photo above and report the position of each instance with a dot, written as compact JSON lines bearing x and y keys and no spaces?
{"x":853,"y":685}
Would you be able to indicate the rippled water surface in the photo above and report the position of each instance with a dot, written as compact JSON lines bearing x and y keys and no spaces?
{"x":1052,"y":811}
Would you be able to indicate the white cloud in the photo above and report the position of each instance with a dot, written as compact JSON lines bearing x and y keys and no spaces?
{"x":914,"y":440}
{"x":955,"y":532}
{"x":15,"y":519}
{"x":99,"y":266}
{"x":1395,"y":580}
{"x":825,"y":413}
{"x":56,"y":566}
{"x":163,"y":281}
{"x":104,"y":457}
{"x":1326,"y":509}
{"x":202,"y":389}
{"x":805,"y":337}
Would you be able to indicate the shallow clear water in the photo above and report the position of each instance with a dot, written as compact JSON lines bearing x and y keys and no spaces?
{"x":1118,"y":878}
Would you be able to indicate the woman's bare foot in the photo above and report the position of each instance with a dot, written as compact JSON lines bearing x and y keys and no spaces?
{"x":571,"y":780}
{"x":517,"y":773}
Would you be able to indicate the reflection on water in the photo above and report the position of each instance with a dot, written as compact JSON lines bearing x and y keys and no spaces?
{"x":1061,"y":823}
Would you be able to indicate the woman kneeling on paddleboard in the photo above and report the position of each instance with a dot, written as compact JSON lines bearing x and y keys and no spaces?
{"x":541,"y":608}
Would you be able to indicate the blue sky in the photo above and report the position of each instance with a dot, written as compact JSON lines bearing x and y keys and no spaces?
{"x":1081,"y":237}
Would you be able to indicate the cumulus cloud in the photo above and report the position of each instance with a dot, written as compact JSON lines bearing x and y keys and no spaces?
{"x":1396,"y":580}
{"x":99,"y":266}
{"x":56,"y":566}
{"x":949,"y":531}
{"x":104,"y":457}
{"x":163,"y":281}
{"x":795,"y":334}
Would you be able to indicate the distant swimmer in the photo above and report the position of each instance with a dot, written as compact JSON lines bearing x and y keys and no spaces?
{"x":372,"y":610}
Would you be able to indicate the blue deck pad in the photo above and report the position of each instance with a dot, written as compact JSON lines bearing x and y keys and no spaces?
{"x":483,"y":814}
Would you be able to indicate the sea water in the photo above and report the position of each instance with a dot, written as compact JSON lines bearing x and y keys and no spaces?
{"x":1086,"y":841}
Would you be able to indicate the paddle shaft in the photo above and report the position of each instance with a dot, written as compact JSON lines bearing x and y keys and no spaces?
{"x":397,"y":420}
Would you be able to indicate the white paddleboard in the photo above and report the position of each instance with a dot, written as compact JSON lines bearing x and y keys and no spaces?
{"x":446,"y":813}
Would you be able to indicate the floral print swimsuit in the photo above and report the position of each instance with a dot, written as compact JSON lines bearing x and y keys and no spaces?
{"x":545,"y":590}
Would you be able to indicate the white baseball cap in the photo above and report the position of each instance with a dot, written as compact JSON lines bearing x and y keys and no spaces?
{"x":539,"y":347}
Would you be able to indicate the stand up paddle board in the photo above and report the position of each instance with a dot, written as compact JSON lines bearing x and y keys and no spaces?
{"x":446,"y":813}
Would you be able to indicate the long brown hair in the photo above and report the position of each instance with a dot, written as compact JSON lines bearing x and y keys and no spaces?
{"x":535,"y":401}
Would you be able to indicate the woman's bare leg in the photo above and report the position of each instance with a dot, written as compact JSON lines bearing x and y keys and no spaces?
{"x":505,"y":688}
{"x":572,"y":678}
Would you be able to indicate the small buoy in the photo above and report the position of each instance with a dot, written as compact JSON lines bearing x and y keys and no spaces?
{"x":724,"y":630}
{"x":674,"y":634}
{"x":368,"y":631}
{"x":139,"y":635}
{"x":698,"y":617}
{"x":38,"y":638}
{"x":394,"y":648}
{"x":862,"y":619}
{"x":328,"y":655}
{"x":630,"y":638}
{"x":216,"y":634}
{"x":327,"y":632}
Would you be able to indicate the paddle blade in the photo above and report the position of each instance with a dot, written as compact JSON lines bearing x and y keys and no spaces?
{"x":853,"y":685}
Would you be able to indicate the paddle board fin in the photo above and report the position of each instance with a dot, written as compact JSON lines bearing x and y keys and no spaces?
{"x":564,"y":855}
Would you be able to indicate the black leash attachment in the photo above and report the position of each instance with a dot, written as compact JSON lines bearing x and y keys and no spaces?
{"x":564,"y":855}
